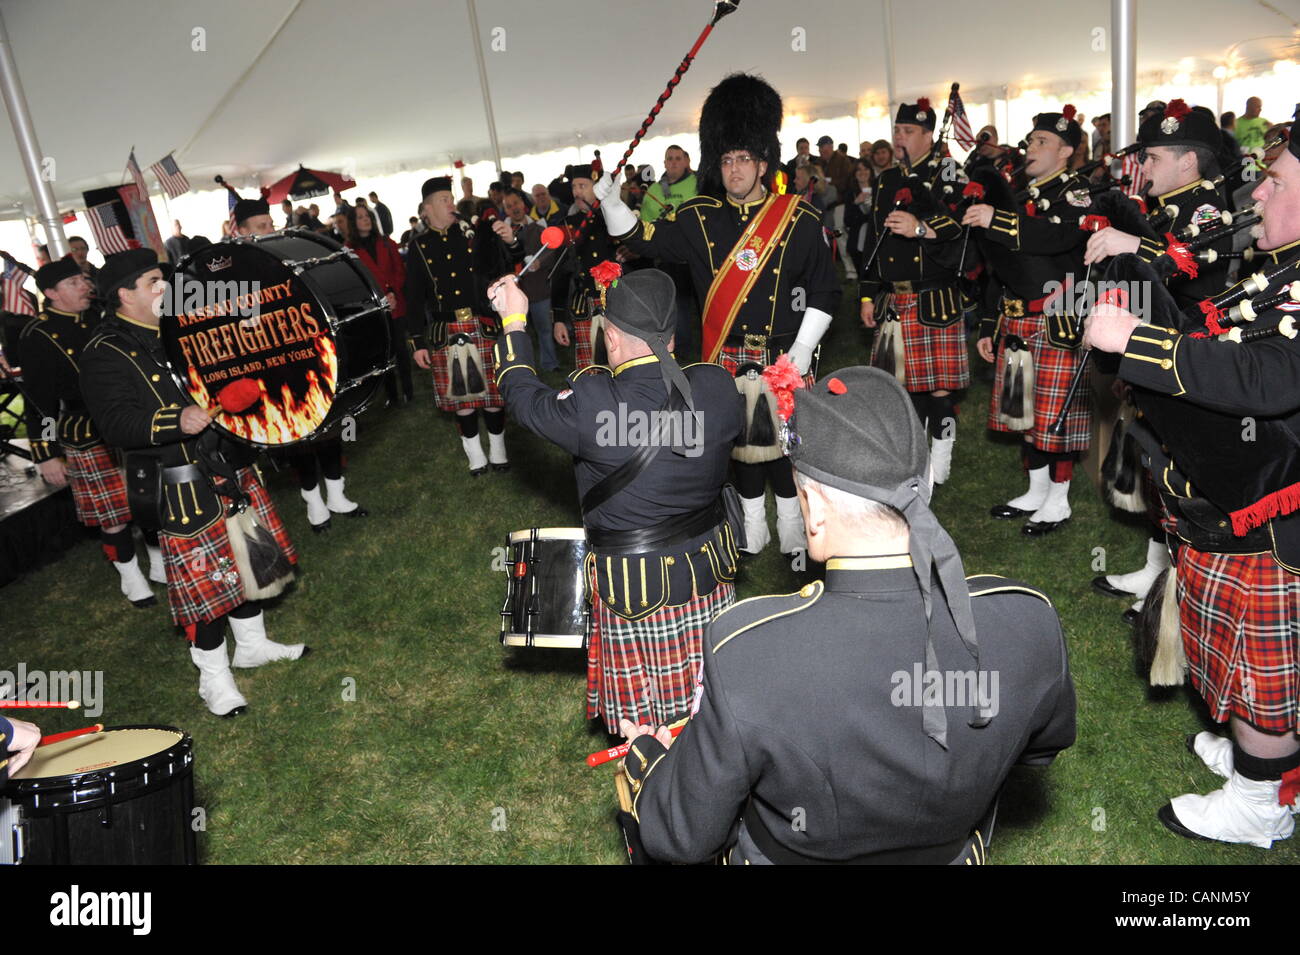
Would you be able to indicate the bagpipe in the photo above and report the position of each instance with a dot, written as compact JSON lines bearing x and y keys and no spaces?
{"x":1242,"y":483}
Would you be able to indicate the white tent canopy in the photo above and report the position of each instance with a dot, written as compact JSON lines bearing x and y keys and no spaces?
{"x":251,"y":88}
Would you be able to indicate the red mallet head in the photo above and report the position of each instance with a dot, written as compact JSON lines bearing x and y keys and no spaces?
{"x":552,"y":237}
{"x":239,"y":395}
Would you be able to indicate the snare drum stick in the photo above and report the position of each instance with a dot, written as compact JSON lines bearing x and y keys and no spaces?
{"x":618,"y":752}
{"x":17,"y":705}
{"x":70,"y":734}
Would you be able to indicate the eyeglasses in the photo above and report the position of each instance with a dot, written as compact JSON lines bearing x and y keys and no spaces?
{"x":744,"y":159}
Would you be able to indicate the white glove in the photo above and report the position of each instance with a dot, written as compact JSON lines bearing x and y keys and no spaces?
{"x":811,"y":329}
{"x":619,"y":219}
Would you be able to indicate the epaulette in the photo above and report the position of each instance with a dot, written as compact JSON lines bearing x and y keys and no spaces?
{"x":577,"y":373}
{"x":983,"y":585}
{"x":707,"y":202}
{"x":807,"y":208}
{"x":746,"y":615}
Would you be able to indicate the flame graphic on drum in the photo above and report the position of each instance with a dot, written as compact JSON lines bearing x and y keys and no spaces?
{"x":287,"y":418}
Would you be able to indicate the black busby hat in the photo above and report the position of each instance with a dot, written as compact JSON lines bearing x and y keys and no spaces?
{"x":436,"y":184}
{"x":1063,"y":124}
{"x":52,"y":273}
{"x":741,"y":112}
{"x":919,"y":113}
{"x":856,"y":431}
{"x":1181,"y":125}
{"x":245,"y":209}
{"x":121,"y":269}
{"x":580,"y":170}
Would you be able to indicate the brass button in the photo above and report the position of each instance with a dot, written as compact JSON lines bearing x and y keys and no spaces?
{"x":1167,"y":345}
{"x":1166,"y":364}
{"x":453,"y":274}
{"x":153,"y":378}
{"x":916,"y":258}
{"x":69,"y":351}
{"x":670,"y":561}
{"x":807,"y":590}
{"x":448,"y":255}
{"x":704,"y":549}
{"x":132,"y":354}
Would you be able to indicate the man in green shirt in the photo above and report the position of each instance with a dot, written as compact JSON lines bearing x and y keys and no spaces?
{"x":662,"y":199}
{"x":1251,"y":127}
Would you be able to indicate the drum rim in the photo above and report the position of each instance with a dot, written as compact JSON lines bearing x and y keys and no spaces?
{"x":549,"y":533}
{"x":327,"y":307}
{"x":47,"y":784}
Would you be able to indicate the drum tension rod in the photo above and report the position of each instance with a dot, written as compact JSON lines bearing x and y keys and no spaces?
{"x":302,"y":265}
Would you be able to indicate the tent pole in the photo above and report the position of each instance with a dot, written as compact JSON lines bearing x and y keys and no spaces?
{"x":29,"y":150}
{"x":483,"y":83}
{"x":1123,"y":72}
{"x":887,"y":8}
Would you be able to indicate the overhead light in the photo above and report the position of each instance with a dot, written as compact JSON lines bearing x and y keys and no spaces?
{"x":1220,"y":72}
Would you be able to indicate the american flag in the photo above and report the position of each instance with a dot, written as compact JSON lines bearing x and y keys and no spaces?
{"x":169,"y":174}
{"x":1132,"y":167}
{"x":137,"y":176}
{"x":15,"y":299}
{"x":961,"y":130}
{"x":109,"y":236}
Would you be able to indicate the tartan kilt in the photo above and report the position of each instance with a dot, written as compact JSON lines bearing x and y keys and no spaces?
{"x":1240,"y":622}
{"x":731,"y":357}
{"x":442,"y":381}
{"x":647,"y":670}
{"x":583,"y":354}
{"x":1053,"y":369}
{"x":934,"y":359}
{"x":202,"y":580}
{"x":98,"y":487}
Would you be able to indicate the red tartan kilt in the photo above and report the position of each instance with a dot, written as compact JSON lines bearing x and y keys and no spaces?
{"x":1240,"y":618}
{"x":1053,"y":369}
{"x":203,"y":582}
{"x":731,"y":357}
{"x":647,"y":670}
{"x":98,"y":487}
{"x":583,"y":355}
{"x":934,"y":359}
{"x":442,"y":380}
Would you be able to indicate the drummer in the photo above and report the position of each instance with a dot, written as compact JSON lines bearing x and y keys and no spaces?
{"x":139,"y":409}
{"x":665,"y":558}
{"x":20,"y":739}
{"x":318,"y":459}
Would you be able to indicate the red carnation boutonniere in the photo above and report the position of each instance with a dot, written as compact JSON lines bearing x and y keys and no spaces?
{"x":606,"y":276}
{"x":783,"y":377}
{"x":903,"y":197}
{"x":239,"y":395}
{"x":973,"y":191}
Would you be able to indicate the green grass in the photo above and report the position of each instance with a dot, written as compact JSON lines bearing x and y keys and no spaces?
{"x":448,"y":728}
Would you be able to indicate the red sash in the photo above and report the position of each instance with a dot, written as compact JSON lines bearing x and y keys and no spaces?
{"x":741,"y":269}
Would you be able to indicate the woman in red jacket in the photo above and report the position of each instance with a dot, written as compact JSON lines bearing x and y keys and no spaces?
{"x":381,"y":256}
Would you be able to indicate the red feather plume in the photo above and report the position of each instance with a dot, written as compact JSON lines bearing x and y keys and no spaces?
{"x":903,"y":197}
{"x":923,"y":103}
{"x":1177,"y":109}
{"x":1068,"y":111}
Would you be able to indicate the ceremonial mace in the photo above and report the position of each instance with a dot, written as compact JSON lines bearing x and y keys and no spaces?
{"x":1090,"y":223}
{"x":720,"y":9}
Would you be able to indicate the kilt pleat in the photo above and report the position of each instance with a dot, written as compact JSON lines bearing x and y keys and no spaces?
{"x":934,"y":359}
{"x":98,"y":487}
{"x":646,"y":670}
{"x":1053,"y":369}
{"x":442,"y":380}
{"x":1240,"y":621}
{"x":203,"y":582}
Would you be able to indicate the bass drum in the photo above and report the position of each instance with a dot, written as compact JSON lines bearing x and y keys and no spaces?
{"x":278,"y":337}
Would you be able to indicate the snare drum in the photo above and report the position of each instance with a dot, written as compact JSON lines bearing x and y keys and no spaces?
{"x":123,"y":796}
{"x":546,"y":598}
{"x":279,"y":337}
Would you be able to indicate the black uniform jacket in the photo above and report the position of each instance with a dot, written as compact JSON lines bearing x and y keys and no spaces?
{"x":52,"y":344}
{"x":600,"y":420}
{"x":1034,"y":248}
{"x":924,"y":267}
{"x":811,"y":708}
{"x":1200,"y":204}
{"x":137,"y":407}
{"x":574,"y":292}
{"x":702,"y":231}
{"x":448,"y":272}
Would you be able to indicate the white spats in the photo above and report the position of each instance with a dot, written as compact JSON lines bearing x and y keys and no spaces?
{"x":789,"y":525}
{"x":157,"y":568}
{"x":134,"y":586}
{"x":497,"y":448}
{"x":335,"y":499}
{"x":474,"y":451}
{"x":216,"y":682}
{"x":941,"y":459}
{"x":318,"y":514}
{"x":1243,"y":811}
{"x":1036,"y":496}
{"x":1215,"y":752}
{"x":1056,"y":506}
{"x":1139,"y":582}
{"x":252,"y":648}
{"x":756,"y":532}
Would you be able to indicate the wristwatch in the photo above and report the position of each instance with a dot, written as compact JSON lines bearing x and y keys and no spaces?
{"x":920,"y":230}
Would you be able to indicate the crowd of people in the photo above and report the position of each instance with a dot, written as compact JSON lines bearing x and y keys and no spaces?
{"x":741,"y":261}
